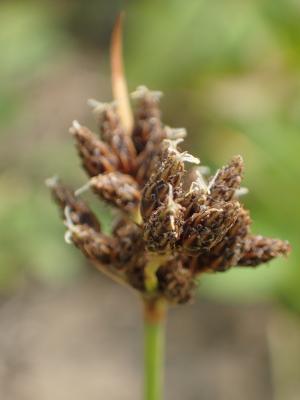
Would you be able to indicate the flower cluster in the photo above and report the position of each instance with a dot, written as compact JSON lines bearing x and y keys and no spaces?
{"x":165,"y":234}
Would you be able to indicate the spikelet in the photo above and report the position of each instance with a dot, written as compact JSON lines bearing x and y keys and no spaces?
{"x":227,"y":180}
{"x":96,"y":155}
{"x":259,"y":249}
{"x":80,"y":213}
{"x":228,"y":252}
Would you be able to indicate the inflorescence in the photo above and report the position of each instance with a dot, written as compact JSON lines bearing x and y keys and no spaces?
{"x":165,"y":235}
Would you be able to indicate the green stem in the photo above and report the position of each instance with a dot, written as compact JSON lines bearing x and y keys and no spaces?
{"x":154,"y":325}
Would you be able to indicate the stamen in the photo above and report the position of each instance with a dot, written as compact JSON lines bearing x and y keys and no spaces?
{"x":52,"y":182}
{"x":212,"y":182}
{"x":241,"y":192}
{"x":185,"y":156}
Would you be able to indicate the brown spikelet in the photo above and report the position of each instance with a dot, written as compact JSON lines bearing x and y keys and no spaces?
{"x":226,"y":253}
{"x":94,"y":245}
{"x":148,"y":158}
{"x":79,"y":212}
{"x":117,"y":189}
{"x":147,"y":118}
{"x":227,"y":180}
{"x":130,"y":244}
{"x":205,"y":229}
{"x":176,"y":283}
{"x":96,"y":155}
{"x":259,"y":249}
{"x":113,"y":133}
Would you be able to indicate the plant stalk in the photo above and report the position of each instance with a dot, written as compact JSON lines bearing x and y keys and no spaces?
{"x":154,"y":349}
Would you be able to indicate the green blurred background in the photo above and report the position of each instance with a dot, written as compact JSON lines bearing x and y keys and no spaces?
{"x":230,"y":73}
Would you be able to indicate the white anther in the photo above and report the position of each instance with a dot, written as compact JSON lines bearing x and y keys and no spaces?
{"x":185,"y":156}
{"x":76,"y":125}
{"x":52,"y":182}
{"x":241,"y":192}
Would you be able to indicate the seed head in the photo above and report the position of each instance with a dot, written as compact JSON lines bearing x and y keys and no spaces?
{"x":167,"y":231}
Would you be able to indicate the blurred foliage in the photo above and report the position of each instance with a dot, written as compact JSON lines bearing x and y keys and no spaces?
{"x":230,"y":73}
